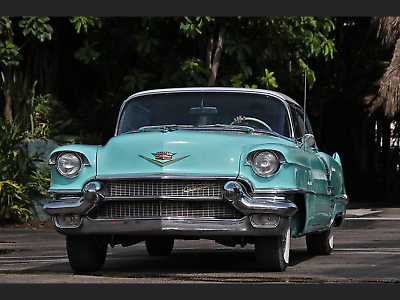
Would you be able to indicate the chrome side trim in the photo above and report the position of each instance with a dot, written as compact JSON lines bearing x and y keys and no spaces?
{"x":300,"y":165}
{"x":259,"y":192}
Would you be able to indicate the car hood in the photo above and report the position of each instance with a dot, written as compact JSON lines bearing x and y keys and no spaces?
{"x":195,"y":153}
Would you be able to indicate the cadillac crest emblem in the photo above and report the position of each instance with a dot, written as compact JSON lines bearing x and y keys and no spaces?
{"x":163,"y":155}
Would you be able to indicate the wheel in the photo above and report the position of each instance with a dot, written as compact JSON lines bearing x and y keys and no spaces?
{"x":320,"y":243}
{"x":272,"y":252}
{"x":85,"y":253}
{"x":159,"y":246}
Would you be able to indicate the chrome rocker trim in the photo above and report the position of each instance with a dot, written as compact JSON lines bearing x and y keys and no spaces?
{"x":235,"y":194}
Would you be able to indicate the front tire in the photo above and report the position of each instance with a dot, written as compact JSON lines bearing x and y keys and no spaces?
{"x":159,"y":246}
{"x":320,"y":243}
{"x":272,"y":252}
{"x":85,"y":253}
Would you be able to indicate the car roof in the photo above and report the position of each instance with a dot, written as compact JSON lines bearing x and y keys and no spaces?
{"x":278,"y":95}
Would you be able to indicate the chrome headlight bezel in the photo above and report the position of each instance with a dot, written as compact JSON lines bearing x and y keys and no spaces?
{"x":276,"y":161}
{"x":78,"y":166}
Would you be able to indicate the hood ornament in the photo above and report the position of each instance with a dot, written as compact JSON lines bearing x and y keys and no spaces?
{"x":163,"y":155}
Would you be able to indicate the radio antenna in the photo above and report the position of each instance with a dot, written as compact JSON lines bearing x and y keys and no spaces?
{"x":305,"y":102}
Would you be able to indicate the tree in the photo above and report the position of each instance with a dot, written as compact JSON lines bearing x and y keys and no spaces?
{"x":10,"y":55}
{"x":388,"y":29}
{"x":15,"y":35}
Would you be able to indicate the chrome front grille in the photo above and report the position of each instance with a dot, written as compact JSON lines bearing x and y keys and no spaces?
{"x":117,"y":209}
{"x":165,"y":187}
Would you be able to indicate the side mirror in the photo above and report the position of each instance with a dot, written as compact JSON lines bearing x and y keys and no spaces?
{"x":309,"y":140}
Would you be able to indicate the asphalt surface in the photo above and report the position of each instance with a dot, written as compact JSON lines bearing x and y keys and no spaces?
{"x":367,"y":250}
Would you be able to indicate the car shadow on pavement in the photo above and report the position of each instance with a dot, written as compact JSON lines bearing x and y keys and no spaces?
{"x":179,"y":262}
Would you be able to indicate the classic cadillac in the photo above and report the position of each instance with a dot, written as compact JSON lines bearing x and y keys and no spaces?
{"x":237,"y":166}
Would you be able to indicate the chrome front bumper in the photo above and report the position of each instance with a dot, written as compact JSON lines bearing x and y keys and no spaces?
{"x":234,"y":193}
{"x":172,"y":227}
{"x":93,"y":195}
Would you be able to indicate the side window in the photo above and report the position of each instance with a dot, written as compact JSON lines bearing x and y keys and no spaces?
{"x":298,"y":123}
{"x":308,"y":126}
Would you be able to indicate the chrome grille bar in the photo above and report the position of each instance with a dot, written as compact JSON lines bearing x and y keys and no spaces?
{"x":165,"y":209}
{"x":165,"y":188}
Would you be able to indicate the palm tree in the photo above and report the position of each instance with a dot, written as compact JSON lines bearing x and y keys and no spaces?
{"x":388,"y":95}
{"x":388,"y":30}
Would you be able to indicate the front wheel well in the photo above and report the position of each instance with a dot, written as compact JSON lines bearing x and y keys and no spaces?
{"x":338,"y":220}
{"x":298,"y":220}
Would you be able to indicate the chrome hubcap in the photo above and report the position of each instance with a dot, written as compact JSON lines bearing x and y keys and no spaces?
{"x":331,"y":239}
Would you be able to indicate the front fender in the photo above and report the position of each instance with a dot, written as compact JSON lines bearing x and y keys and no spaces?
{"x":292,"y":174}
{"x":58,"y":182}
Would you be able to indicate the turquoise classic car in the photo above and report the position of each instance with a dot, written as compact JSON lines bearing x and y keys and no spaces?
{"x":237,"y":166}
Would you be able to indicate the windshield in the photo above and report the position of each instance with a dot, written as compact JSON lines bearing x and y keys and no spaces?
{"x":199,"y":109}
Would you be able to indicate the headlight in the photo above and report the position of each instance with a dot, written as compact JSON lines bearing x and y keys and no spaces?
{"x":265,"y":163}
{"x":69,"y":164}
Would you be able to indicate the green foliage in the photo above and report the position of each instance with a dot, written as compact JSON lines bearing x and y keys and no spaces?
{"x":237,"y":80}
{"x":86,"y":54}
{"x":192,"y":27}
{"x":39,"y":116}
{"x":268,"y":81}
{"x":136,"y":81}
{"x":145,"y":43}
{"x":310,"y":73}
{"x":38,"y":26}
{"x":195,"y":71}
{"x":19,"y":176}
{"x":239,"y":45}
{"x":85,"y":22}
{"x":9,"y":54}
{"x":5,"y":23}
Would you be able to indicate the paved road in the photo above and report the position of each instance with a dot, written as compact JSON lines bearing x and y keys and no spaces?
{"x":367,"y":249}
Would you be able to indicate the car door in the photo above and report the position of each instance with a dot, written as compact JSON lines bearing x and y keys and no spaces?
{"x":318,"y":181}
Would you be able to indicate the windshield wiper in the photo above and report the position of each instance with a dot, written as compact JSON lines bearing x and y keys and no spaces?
{"x":227,"y":127}
{"x":163,"y":128}
{"x":240,"y":128}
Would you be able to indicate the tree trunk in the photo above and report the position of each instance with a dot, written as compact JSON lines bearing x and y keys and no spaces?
{"x":386,"y":169}
{"x":8,"y":97}
{"x":371,"y":148}
{"x":217,"y":55}
{"x":8,"y":82}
